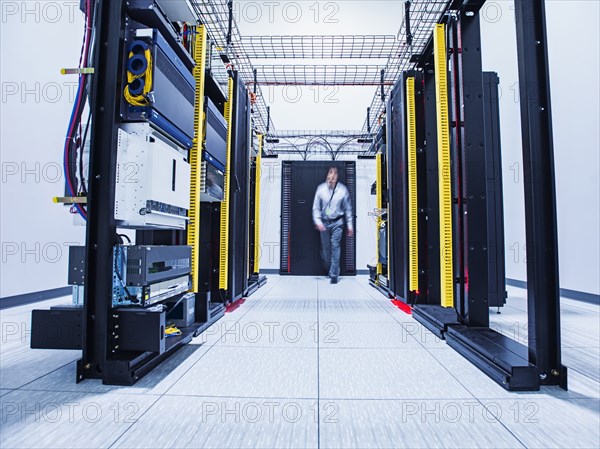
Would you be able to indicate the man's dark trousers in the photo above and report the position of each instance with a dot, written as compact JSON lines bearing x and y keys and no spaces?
{"x":330,"y":245}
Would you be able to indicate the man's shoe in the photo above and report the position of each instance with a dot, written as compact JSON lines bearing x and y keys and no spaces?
{"x":333,"y":280}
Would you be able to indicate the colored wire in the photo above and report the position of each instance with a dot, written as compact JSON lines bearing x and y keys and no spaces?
{"x":141,"y":99}
{"x":172,"y":331}
{"x":83,"y":141}
{"x":75,"y":119}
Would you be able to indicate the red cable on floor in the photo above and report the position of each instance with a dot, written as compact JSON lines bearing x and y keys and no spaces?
{"x":236,"y":305}
{"x":402,"y":306}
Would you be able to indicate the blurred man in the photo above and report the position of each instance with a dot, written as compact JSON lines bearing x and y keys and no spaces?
{"x":331,"y":207}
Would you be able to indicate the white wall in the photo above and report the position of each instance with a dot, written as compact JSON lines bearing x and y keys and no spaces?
{"x":37,"y":39}
{"x":574,"y":73}
{"x":270,"y":206}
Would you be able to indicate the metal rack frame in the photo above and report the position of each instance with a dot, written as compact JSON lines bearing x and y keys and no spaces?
{"x":320,"y":46}
{"x":217,"y":16}
{"x":466,"y":326}
{"x":101,"y":356}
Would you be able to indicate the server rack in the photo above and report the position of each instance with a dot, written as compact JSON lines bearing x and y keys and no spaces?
{"x":122,"y":344}
{"x":397,"y":194}
{"x":465,"y":277}
{"x":235,"y":219}
{"x":255,"y":279}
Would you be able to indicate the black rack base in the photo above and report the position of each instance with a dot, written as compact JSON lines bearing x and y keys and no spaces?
{"x":501,"y":358}
{"x":435,"y":318}
{"x":382,"y":289}
{"x":129,"y":367}
{"x":255,"y":282}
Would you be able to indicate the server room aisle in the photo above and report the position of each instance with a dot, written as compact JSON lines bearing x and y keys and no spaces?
{"x":300,"y":364}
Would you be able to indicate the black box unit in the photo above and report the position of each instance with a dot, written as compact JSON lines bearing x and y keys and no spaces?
{"x":150,"y":264}
{"x":139,"y":330}
{"x":182,"y":310}
{"x":144,"y":275}
{"x":212,"y":184}
{"x":214,"y":155}
{"x":150,"y":62}
{"x":159,"y":15}
{"x":57,"y":328}
{"x":216,"y":134}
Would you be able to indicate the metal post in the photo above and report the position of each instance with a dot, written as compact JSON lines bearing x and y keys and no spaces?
{"x":230,"y":23}
{"x":409,"y":36}
{"x":543,"y":297}
{"x":101,"y":228}
{"x":469,"y":125}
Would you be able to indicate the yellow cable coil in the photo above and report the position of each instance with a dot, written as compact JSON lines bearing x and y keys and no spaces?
{"x":142,"y":99}
{"x":224,"y":247}
{"x":193,"y":233}
{"x":379,"y":205}
{"x":444,"y":170}
{"x":413,"y":212}
{"x":261,"y":140}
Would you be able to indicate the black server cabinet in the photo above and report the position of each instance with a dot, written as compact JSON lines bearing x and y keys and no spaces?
{"x":397,"y":193}
{"x":239,"y":187}
{"x":496,"y":251}
{"x":300,"y":241}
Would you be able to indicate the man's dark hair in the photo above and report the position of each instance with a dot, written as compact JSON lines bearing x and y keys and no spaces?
{"x":333,"y":168}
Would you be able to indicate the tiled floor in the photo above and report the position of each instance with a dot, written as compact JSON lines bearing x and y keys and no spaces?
{"x":304,"y":364}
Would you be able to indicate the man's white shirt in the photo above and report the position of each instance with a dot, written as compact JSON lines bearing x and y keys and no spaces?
{"x":332,"y":204}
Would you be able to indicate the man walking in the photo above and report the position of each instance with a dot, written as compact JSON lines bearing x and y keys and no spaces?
{"x":331,"y":205}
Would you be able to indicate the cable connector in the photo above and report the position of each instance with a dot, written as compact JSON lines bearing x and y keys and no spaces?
{"x":79,"y":71}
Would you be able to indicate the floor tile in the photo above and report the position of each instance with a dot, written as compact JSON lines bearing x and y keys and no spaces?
{"x":224,"y":423}
{"x":301,"y":308}
{"x":22,"y":366}
{"x":299,"y":359}
{"x":551,"y":422}
{"x":352,"y":310}
{"x":156,"y":382}
{"x":68,"y":420}
{"x":344,"y":335}
{"x":385,"y":374}
{"x":586,"y":361}
{"x":252,"y":372}
{"x":274,"y":333}
{"x":411,"y":423}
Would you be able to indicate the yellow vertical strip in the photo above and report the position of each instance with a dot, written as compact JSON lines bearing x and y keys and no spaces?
{"x":224,"y":241}
{"x":261,"y":140}
{"x":444,"y":171}
{"x":379,"y":204}
{"x":413,"y":213}
{"x":193,"y":233}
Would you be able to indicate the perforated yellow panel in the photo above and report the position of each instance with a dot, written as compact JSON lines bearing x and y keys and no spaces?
{"x":444,"y":170}
{"x":224,"y":241}
{"x":193,"y":233}
{"x":261,"y":139}
{"x":413,"y":213}
{"x":379,"y":204}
